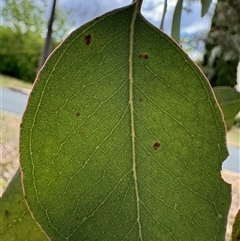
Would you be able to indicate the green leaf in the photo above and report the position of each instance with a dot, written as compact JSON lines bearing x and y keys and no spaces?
{"x":163,"y":15}
{"x":236,"y":228}
{"x":16,"y":222}
{"x":229,"y":101}
{"x":205,"y":6}
{"x":176,"y":23}
{"x":122,"y":138}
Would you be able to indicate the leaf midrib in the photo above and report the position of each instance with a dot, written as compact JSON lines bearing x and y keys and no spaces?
{"x":134,"y":168}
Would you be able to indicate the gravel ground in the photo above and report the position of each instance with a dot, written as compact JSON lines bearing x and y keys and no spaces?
{"x":233,"y":179}
{"x":9,"y":150}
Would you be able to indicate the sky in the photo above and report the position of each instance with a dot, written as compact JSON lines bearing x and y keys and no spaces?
{"x":83,"y":11}
{"x":191,"y":23}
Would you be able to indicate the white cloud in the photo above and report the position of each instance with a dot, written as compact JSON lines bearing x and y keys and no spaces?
{"x":84,"y":11}
{"x":153,"y":10}
{"x":190,"y":22}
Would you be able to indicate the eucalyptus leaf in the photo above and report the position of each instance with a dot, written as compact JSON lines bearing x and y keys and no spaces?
{"x":236,"y":228}
{"x":16,"y":222}
{"x":205,"y":6}
{"x":163,"y":15}
{"x":176,"y":22}
{"x":122,"y":138}
{"x":229,"y":101}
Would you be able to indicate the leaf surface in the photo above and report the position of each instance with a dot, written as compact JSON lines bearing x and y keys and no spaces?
{"x":229,"y":101}
{"x":16,"y":222}
{"x":176,"y":22}
{"x":122,"y":138}
{"x":205,"y":6}
{"x":236,"y":228}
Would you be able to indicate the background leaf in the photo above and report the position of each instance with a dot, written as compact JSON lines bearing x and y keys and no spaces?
{"x":205,"y":6}
{"x":16,"y":222}
{"x":229,"y":101}
{"x":163,"y":15}
{"x":236,"y":228}
{"x":122,"y":138}
{"x":176,"y":23}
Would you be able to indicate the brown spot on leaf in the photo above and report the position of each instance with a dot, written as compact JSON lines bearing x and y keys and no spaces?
{"x":25,"y":197}
{"x":6,"y":213}
{"x":144,"y":56}
{"x":156,"y":146}
{"x":88,"y":39}
{"x":78,"y":114}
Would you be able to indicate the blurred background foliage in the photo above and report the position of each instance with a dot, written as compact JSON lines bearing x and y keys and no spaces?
{"x":20,"y":53}
{"x":23,"y":30}
{"x":222,"y":44}
{"x":24,"y":27}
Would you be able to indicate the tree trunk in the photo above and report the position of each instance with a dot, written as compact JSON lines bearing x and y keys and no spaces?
{"x":222,"y":44}
{"x":48,"y":41}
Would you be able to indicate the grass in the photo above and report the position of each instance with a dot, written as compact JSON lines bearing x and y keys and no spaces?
{"x":10,"y":82}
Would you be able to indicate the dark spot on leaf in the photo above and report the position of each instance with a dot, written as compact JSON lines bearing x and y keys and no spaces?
{"x":144,"y":56}
{"x":238,"y":237}
{"x":77,"y":114}
{"x":140,"y":99}
{"x":88,"y":39}
{"x":25,"y":197}
{"x":7,"y":213}
{"x":156,"y":146}
{"x":19,"y":201}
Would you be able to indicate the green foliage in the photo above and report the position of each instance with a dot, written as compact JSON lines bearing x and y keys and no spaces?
{"x":205,"y":6}
{"x":229,"y":101}
{"x":23,"y":15}
{"x":20,"y":54}
{"x":23,"y":27}
{"x":16,"y":222}
{"x":122,"y":138}
{"x":177,"y":21}
{"x":236,"y":228}
{"x":26,"y":15}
